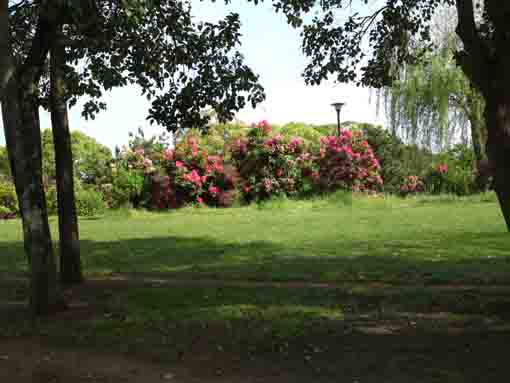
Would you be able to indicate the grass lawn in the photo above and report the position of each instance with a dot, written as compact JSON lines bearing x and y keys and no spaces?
{"x":370,"y":289}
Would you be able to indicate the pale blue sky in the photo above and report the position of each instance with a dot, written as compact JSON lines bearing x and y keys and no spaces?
{"x":272,"y":49}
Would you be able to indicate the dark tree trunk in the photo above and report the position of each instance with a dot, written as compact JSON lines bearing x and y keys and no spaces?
{"x":23,"y":134}
{"x":479,"y":141}
{"x":498,"y":121}
{"x":70,"y":263}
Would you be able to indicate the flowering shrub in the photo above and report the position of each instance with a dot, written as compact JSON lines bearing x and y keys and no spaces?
{"x":452,"y":179}
{"x":411,"y":185}
{"x":347,"y":162}
{"x":269,"y":164}
{"x":194,"y":176}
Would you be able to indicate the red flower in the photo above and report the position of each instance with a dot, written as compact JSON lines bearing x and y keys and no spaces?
{"x":442,"y":168}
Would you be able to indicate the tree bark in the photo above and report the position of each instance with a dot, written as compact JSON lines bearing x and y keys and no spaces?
{"x":23,"y":136}
{"x":498,"y":120}
{"x":479,"y":142}
{"x":21,"y":123}
{"x":70,"y":263}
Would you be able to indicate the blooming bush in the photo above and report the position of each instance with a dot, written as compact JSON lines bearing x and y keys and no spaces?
{"x":411,"y":185}
{"x":347,"y":162}
{"x":454,"y":173}
{"x":194,"y":176}
{"x":269,"y":164}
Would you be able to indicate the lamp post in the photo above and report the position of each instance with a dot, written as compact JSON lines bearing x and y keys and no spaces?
{"x":338,"y":107}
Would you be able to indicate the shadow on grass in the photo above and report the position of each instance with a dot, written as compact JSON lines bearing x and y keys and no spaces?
{"x":403,"y":333}
{"x":470,"y":258}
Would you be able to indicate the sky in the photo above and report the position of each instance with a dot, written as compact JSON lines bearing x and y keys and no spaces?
{"x":273,"y":50}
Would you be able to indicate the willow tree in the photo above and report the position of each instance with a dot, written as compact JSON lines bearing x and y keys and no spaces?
{"x":363,"y":41}
{"x":432,"y":103}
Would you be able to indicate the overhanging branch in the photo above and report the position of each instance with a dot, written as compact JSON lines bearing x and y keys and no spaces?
{"x":474,"y":60}
{"x":6,"y":65}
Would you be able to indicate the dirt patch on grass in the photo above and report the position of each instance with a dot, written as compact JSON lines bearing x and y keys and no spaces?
{"x":364,"y":345}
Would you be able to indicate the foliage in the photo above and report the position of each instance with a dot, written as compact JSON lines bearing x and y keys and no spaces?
{"x":5,"y":167}
{"x":89,"y":200}
{"x":411,"y":185}
{"x":91,"y":159}
{"x":310,"y":134}
{"x":152,"y":147}
{"x":187,"y":68}
{"x":454,"y":173}
{"x":8,"y":201}
{"x":127,"y":188}
{"x":347,"y":162}
{"x":215,"y":140}
{"x":432,"y":103}
{"x":271,"y":165}
{"x":389,"y":150}
{"x":397,"y":159}
{"x":195,"y":177}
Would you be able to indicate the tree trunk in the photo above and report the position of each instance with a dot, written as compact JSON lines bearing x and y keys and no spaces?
{"x":23,"y":135}
{"x":70,"y":263}
{"x":21,"y":122}
{"x":479,"y":141}
{"x":498,"y":121}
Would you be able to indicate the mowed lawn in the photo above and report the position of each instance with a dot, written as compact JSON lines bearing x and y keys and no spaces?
{"x":332,"y":290}
{"x":391,"y":240}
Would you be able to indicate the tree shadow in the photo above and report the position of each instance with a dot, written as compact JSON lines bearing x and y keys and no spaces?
{"x":189,"y":297}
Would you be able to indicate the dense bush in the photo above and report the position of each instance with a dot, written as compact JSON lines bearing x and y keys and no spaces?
{"x":453,"y":173}
{"x":91,"y":159}
{"x":194,"y":176}
{"x":127,"y":188}
{"x":411,"y":185}
{"x":8,"y":201}
{"x":271,"y":165}
{"x":5,"y":167}
{"x":347,"y":162}
{"x":89,"y":201}
{"x":398,"y":161}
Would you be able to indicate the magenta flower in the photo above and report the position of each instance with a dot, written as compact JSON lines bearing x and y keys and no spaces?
{"x":168,"y":155}
{"x":442,"y":168}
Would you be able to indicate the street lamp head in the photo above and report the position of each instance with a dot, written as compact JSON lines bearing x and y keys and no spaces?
{"x":338,"y":106}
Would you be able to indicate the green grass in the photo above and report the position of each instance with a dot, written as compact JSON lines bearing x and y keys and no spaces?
{"x":408,"y":241}
{"x":205,"y":281}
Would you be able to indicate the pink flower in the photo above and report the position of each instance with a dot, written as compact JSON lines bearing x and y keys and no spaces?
{"x":214,"y":190}
{"x":140,"y":152}
{"x":294,"y":143}
{"x":268,"y":184}
{"x":279,"y":173}
{"x":179,"y":164}
{"x":200,"y":200}
{"x":442,"y":168}
{"x":195,"y":177}
{"x":265,"y":126}
{"x":218,"y":167}
{"x":168,"y":155}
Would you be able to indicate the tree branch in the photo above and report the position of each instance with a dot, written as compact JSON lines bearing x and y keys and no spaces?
{"x":475,"y":58}
{"x":6,"y":63}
